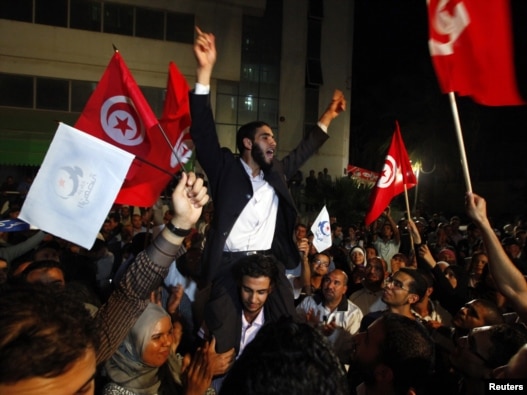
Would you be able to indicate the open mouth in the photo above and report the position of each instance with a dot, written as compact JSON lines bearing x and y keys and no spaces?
{"x":269,"y":153}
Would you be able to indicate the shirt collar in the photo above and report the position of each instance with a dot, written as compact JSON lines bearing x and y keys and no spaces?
{"x":258,"y":321}
{"x":258,"y":177}
{"x":342,"y":306}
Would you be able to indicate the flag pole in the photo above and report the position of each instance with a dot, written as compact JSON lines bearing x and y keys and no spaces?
{"x":464,"y":163}
{"x":164,"y":135}
{"x":409,"y":215}
{"x":170,"y":145}
{"x":156,"y":166}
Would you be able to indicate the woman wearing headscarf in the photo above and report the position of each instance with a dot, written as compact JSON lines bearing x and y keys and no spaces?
{"x":146,"y":362}
{"x":356,"y":269}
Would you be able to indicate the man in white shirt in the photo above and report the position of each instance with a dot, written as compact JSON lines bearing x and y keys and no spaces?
{"x":256,"y":276}
{"x":332,"y":312}
{"x":388,"y":241}
{"x":254,"y":211}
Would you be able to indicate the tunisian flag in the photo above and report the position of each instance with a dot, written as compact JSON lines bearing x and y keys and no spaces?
{"x":396,"y":173}
{"x":118,"y":113}
{"x":473,"y":49}
{"x":176,"y":119}
{"x":172,"y":131}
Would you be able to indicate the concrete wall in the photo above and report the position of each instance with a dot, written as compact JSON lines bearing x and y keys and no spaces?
{"x":336,"y":68}
{"x":49,"y":51}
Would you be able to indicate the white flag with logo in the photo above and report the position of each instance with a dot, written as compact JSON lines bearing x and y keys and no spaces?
{"x":76,"y":186}
{"x":321,"y":231}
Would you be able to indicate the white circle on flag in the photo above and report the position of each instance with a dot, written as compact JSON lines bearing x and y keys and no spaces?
{"x":447,"y":22}
{"x":182,"y":149}
{"x":120,"y":121}
{"x":388,"y":173}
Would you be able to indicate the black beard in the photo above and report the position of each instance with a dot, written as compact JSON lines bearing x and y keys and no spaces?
{"x":258,"y":156}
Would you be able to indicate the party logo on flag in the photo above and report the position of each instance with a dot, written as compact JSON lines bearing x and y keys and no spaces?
{"x":121,"y":122}
{"x":322,"y":231}
{"x":76,"y":186}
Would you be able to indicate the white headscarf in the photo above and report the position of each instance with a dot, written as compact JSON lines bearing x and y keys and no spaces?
{"x":126,"y":367}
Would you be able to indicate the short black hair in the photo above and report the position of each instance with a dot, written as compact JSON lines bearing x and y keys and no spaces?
{"x":493,"y":314}
{"x":287,"y":358}
{"x":42,"y":331}
{"x":257,"y":265}
{"x":42,"y":264}
{"x":408,"y":350}
{"x":248,"y":131}
{"x":418,"y":285}
{"x":115,"y":216}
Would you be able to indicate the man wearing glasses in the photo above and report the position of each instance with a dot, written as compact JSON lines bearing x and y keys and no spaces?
{"x":402,"y":289}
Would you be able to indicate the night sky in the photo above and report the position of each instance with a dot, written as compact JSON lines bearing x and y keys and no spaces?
{"x":393,"y":79}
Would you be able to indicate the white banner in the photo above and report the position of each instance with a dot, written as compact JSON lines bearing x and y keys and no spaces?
{"x":76,"y":186}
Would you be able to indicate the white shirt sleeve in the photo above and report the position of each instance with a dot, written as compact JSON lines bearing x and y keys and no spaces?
{"x":201,"y":89}
{"x":323,"y":127}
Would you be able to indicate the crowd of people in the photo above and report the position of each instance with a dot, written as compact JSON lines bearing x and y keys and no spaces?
{"x":223,"y":291}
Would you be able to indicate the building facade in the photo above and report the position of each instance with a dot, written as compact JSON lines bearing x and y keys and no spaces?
{"x":278,"y":61}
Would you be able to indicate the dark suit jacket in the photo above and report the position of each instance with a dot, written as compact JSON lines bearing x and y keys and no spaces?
{"x":230,"y":186}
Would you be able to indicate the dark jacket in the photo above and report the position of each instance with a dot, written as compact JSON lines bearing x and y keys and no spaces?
{"x":231,"y":189}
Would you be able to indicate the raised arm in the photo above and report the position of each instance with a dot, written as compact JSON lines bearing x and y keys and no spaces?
{"x":305,"y":273}
{"x":335,"y":107}
{"x":396,"y":232}
{"x":509,"y":280}
{"x":205,"y":53}
{"x":126,"y":303}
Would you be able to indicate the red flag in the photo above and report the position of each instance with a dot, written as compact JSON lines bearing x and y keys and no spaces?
{"x":396,"y":173}
{"x":174,"y":126}
{"x":176,"y":118}
{"x":362,"y":174}
{"x":118,"y":113}
{"x":471,"y":43}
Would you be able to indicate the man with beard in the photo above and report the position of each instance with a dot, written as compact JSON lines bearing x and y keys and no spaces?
{"x":254,"y":210}
{"x":333,"y":313}
{"x":395,"y":355}
{"x":368,"y":298}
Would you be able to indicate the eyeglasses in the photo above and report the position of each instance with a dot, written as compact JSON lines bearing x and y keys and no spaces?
{"x":395,"y":283}
{"x":319,"y":262}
